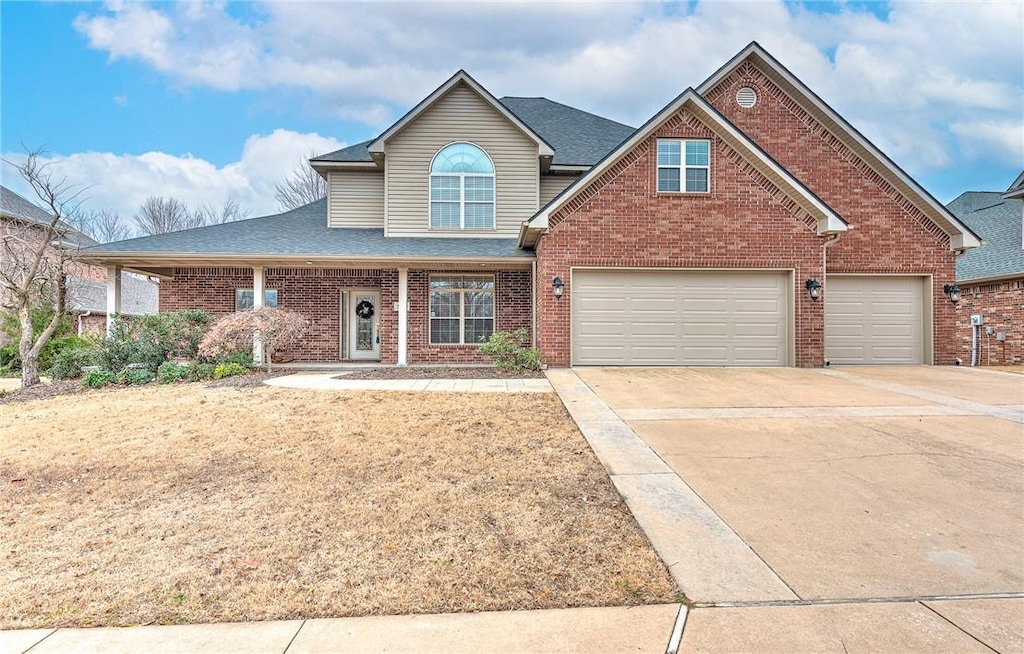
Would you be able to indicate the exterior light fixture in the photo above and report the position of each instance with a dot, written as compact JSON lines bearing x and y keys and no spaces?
{"x":557,"y":286}
{"x":813,"y":287}
{"x":952,"y":291}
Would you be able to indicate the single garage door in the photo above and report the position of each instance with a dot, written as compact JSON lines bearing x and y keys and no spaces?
{"x":680,"y":318}
{"x":874,"y":319}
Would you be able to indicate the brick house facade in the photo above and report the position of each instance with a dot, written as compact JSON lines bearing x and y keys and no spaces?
{"x":805,"y":246}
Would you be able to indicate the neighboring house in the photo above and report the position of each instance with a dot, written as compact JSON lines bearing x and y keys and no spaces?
{"x":991,"y":278}
{"x":86,"y":299}
{"x":696,"y":239}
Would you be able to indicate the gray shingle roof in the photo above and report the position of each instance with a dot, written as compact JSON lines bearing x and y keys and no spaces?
{"x":578,"y":138}
{"x":304,"y":231}
{"x":15,"y":206}
{"x":998,"y":222}
{"x":1017,"y":186}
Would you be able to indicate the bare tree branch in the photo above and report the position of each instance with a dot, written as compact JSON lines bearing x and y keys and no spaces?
{"x":302,"y":186}
{"x":105,"y":225}
{"x":159,"y":215}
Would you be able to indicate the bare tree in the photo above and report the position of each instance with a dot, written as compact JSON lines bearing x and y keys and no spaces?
{"x":35,"y":259}
{"x":159,"y":215}
{"x":228,"y":212}
{"x":302,"y":186}
{"x":105,"y":225}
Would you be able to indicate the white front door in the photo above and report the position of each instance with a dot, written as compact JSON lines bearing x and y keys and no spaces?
{"x":364,"y":325}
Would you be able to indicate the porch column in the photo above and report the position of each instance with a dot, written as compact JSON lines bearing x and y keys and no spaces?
{"x":403,"y":315}
{"x":113,"y":295}
{"x":257,"y":303}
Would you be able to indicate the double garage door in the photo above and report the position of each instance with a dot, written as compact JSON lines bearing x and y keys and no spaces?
{"x":737,"y":318}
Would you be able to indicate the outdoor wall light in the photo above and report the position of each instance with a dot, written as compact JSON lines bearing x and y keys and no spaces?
{"x":952,"y":291}
{"x":813,"y":287}
{"x":557,"y":286}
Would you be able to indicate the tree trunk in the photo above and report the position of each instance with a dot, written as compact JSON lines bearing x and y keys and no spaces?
{"x":29,"y":361}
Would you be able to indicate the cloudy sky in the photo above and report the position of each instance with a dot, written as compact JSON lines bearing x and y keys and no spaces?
{"x":211,"y":101}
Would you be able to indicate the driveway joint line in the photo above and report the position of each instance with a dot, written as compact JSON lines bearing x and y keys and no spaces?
{"x":294,"y":636}
{"x":959,"y":628}
{"x":52,"y":632}
{"x":856,"y":600}
{"x":677,"y":630}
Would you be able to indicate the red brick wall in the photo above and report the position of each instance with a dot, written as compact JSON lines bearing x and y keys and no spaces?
{"x":744,"y":222}
{"x":316,"y":294}
{"x":1002,"y":305}
{"x":889,"y":235}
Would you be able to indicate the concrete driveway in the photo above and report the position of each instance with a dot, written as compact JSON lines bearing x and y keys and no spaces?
{"x":843,"y":509}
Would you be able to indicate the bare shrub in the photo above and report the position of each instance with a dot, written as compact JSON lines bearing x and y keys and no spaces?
{"x":276,"y":328}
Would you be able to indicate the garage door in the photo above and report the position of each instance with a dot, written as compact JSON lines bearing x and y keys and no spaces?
{"x":874,"y":320}
{"x":679,"y":318}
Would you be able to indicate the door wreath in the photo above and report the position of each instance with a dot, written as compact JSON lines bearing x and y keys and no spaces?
{"x":364,"y":309}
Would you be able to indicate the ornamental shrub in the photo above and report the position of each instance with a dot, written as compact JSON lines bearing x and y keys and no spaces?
{"x":277,"y":328}
{"x":135,"y":376}
{"x":154,"y":338}
{"x":98,"y":378}
{"x":509,"y":351}
{"x":229,"y":370}
{"x":169,"y":372}
{"x":200,"y":371}
{"x":68,"y":362}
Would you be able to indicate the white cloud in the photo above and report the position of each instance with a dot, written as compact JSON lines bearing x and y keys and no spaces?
{"x":122,"y":182}
{"x":910,"y":79}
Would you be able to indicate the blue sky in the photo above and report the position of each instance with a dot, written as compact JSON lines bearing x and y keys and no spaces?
{"x":207,"y":102}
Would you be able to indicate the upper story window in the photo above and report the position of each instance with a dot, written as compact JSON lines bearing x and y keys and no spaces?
{"x":461,"y":188}
{"x":684,"y":165}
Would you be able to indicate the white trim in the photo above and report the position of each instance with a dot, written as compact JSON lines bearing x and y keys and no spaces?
{"x":113,"y":295}
{"x":363,"y":165}
{"x":258,"y":302}
{"x":462,"y":193}
{"x":682,"y":167}
{"x":403,"y":316}
{"x":828,"y":220}
{"x":493,"y":277}
{"x":961,"y":238}
{"x":461,"y":77}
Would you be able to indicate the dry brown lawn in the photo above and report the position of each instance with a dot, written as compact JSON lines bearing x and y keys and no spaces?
{"x":196,"y":504}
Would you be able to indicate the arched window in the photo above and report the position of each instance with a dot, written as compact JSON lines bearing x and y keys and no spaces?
{"x":461,"y":188}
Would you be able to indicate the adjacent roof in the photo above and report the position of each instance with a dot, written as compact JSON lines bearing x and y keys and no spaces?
{"x":303,"y":233}
{"x":998,"y":221}
{"x":828,"y":220}
{"x":15,"y":206}
{"x":579,"y":138}
{"x":138,"y":295}
{"x":1016,"y":189}
{"x":961,"y":237}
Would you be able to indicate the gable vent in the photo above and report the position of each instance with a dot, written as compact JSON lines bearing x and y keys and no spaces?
{"x":746,"y":97}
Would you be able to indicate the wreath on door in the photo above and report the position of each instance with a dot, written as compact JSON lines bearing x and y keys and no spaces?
{"x":364,"y":309}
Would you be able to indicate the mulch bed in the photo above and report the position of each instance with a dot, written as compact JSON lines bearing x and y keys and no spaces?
{"x":42,"y":391}
{"x":71,"y":386}
{"x":441,"y":373}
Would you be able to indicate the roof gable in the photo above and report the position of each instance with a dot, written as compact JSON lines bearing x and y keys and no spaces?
{"x":998,"y":220}
{"x":1016,"y":189}
{"x":376,"y":147}
{"x":828,"y":221}
{"x":961,"y":236}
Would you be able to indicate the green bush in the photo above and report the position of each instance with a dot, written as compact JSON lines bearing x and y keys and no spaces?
{"x":201,"y":371}
{"x":135,"y":376}
{"x":68,"y":362}
{"x":229,"y":370}
{"x":155,"y":338}
{"x":98,"y":378}
{"x":509,"y":351}
{"x":169,"y":372}
{"x":10,"y":325}
{"x":241,"y":357}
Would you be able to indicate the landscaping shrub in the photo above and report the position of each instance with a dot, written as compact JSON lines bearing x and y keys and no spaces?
{"x":200,"y":371}
{"x":153,"y":339}
{"x":68,"y":362}
{"x":277,"y":328}
{"x":10,"y":326}
{"x":229,"y":370}
{"x":169,"y":372}
{"x":98,"y":378}
{"x":135,"y":376}
{"x":510,"y":352}
{"x":241,"y":357}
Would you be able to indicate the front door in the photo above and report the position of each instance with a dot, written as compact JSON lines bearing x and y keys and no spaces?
{"x":364,"y":325}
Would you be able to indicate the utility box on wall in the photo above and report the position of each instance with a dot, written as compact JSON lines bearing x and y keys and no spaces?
{"x":977,"y":319}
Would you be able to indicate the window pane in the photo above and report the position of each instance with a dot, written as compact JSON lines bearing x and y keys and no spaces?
{"x":444,"y":304}
{"x":243,"y":299}
{"x":668,"y":153}
{"x":479,"y":215}
{"x":668,"y":179}
{"x":479,"y":189}
{"x":269,"y":297}
{"x":444,"y":331}
{"x":696,"y":153}
{"x":444,"y":188}
{"x":478,"y":330}
{"x":444,"y":215}
{"x":479,"y":304}
{"x":462,"y":158}
{"x":697,"y":180}
{"x":477,"y":282}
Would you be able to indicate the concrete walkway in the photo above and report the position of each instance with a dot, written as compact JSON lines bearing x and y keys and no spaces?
{"x":614,"y":629}
{"x":330,"y":381}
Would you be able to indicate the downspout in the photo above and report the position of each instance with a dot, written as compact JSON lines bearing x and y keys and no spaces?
{"x":80,"y":316}
{"x":824,"y":277}
{"x":533,"y":308}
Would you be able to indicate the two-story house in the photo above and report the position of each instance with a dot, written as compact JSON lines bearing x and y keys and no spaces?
{"x":746,"y":223}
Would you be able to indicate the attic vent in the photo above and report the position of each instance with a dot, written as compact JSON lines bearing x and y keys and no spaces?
{"x":746,"y":97}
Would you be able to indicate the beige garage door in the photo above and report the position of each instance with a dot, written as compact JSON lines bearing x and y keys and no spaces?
{"x":874,"y":320}
{"x":679,"y":318}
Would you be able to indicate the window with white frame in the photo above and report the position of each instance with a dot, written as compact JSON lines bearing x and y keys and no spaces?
{"x":244,"y":298}
{"x":684,"y":165}
{"x":461,"y":188}
{"x":461,"y":308}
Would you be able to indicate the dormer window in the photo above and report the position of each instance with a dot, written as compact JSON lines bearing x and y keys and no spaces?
{"x":684,"y":166}
{"x":461,"y":188}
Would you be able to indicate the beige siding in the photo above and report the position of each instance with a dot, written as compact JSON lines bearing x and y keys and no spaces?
{"x":355,"y":199}
{"x":552,"y":185}
{"x":461,"y":115}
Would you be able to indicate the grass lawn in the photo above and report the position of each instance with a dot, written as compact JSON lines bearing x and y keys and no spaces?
{"x":194,"y":504}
